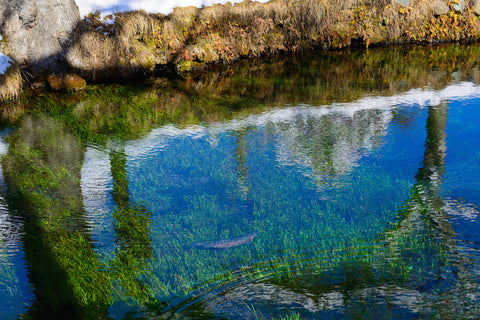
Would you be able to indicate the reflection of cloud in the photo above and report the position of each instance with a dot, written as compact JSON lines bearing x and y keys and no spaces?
{"x":237,"y":299}
{"x":410,"y":299}
{"x":330,"y":144}
{"x":10,"y":227}
{"x":96,"y":183}
{"x":454,"y":207}
{"x":3,"y":144}
{"x":160,"y":138}
{"x":277,"y":295}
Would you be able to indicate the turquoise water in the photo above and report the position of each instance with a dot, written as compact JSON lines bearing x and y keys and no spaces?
{"x":366,"y":208}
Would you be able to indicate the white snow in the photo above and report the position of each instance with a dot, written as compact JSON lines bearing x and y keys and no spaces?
{"x":107,"y":7}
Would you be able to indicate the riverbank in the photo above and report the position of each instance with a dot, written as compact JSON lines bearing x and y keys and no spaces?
{"x":136,"y":44}
{"x":192,"y":38}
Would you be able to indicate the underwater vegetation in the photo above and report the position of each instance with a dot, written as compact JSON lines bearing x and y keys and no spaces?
{"x":314,"y":203}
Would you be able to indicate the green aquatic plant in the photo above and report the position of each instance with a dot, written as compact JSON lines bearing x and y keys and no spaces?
{"x":64,"y":270}
{"x":121,"y":112}
{"x":259,"y":316}
{"x":131,"y":266}
{"x":329,"y":219}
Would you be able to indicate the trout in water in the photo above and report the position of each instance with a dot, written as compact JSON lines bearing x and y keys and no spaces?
{"x":226,"y":243}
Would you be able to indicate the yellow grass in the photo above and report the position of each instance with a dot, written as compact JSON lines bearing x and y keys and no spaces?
{"x":10,"y":84}
{"x":192,"y":38}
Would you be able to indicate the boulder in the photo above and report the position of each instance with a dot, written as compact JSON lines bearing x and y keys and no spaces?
{"x":440,"y":8}
{"x":476,"y":7}
{"x":458,"y":5}
{"x":69,"y":81}
{"x":404,"y":3}
{"x":37,"y":30}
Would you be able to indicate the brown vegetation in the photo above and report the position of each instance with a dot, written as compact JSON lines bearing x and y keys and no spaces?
{"x":11,"y":83}
{"x":68,"y":82}
{"x":189,"y":38}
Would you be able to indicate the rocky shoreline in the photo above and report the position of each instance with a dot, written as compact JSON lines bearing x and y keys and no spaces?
{"x":136,"y":44}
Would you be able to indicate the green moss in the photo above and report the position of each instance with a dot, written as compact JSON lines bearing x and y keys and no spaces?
{"x":187,"y":65}
{"x":43,"y":170}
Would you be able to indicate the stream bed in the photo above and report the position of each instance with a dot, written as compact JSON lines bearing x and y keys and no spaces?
{"x":332,"y":185}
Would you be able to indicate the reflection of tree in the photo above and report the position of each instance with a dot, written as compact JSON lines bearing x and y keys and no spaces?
{"x":329,"y":144}
{"x":42,"y":171}
{"x":422,"y":244}
{"x":132,"y":223}
{"x":423,"y":217}
{"x":419,"y":268}
{"x":241,"y":156}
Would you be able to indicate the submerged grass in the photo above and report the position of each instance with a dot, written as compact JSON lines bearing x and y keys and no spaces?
{"x":250,"y":87}
{"x":259,"y":316}
{"x":42,"y":170}
{"x":188,"y":189}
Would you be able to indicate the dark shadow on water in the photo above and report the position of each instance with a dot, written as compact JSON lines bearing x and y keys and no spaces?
{"x":215,"y":95}
{"x":43,"y":187}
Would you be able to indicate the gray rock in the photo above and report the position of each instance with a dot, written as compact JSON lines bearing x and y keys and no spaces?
{"x":405,"y":3}
{"x":476,"y":7}
{"x":28,"y":14}
{"x":37,"y":31}
{"x":459,"y":5}
{"x":440,"y":8}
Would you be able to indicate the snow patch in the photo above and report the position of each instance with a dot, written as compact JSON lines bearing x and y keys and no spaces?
{"x":107,"y":7}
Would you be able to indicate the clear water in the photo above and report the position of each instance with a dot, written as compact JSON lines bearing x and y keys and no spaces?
{"x":356,"y":206}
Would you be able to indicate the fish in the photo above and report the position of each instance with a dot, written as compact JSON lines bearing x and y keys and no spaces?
{"x":226,"y":243}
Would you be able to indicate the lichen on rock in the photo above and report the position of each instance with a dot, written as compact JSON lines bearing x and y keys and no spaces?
{"x":33,"y":29}
{"x":68,"y":82}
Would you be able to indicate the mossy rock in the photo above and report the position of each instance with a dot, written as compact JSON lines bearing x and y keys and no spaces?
{"x":187,"y":65}
{"x":440,"y":8}
{"x":69,"y":82}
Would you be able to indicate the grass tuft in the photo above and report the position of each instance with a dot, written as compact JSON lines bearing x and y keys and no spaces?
{"x":11,"y":84}
{"x":190,"y":38}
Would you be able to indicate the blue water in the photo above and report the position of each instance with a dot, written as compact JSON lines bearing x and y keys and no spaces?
{"x":357,"y":211}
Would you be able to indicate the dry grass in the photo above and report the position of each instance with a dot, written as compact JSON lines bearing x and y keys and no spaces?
{"x":93,"y":50}
{"x":192,"y":37}
{"x":100,"y":50}
{"x":11,"y":84}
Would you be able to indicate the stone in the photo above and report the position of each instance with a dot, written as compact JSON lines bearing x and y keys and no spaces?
{"x":28,"y":14}
{"x":405,"y":3}
{"x":74,"y":82}
{"x":37,"y":31}
{"x":38,"y":85}
{"x":476,"y":7}
{"x":69,"y":81}
{"x":55,"y":82}
{"x":458,"y":5}
{"x":440,"y":8}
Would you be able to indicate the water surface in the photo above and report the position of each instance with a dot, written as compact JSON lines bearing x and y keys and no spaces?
{"x":334,"y":185}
